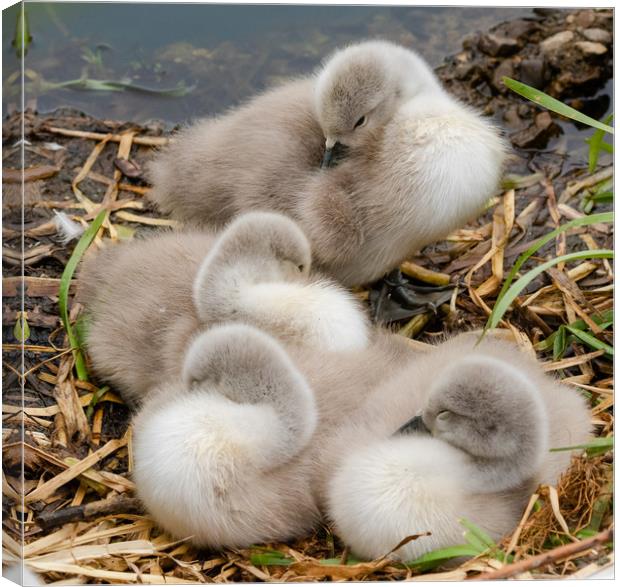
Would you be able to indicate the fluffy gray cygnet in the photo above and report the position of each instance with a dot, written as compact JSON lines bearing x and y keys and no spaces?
{"x":168,"y":287}
{"x":244,"y":436}
{"x":418,"y":163}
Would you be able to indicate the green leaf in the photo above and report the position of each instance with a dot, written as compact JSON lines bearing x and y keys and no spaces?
{"x":598,"y":444}
{"x":605,"y":319}
{"x":585,"y":221}
{"x":63,"y":293}
{"x":596,"y":144}
{"x":22,"y":37}
{"x":270,"y":558}
{"x":559,"y":344}
{"x":21,"y":330}
{"x":504,"y":302}
{"x":104,"y":85}
{"x":554,"y":105}
{"x":432,"y":559}
{"x":601,"y":505}
{"x":80,"y":329}
{"x":585,"y":533}
{"x":479,"y":533}
{"x":90,"y":410}
{"x":602,"y":197}
{"x":474,"y":542}
{"x":591,"y":341}
{"x":587,"y":205}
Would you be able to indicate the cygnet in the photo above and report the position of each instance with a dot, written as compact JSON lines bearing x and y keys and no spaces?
{"x":249,"y":430}
{"x":415,"y":163}
{"x":255,"y":270}
{"x":243,"y":437}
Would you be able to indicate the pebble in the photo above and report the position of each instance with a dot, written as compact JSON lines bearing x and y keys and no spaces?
{"x":555,"y":42}
{"x":537,"y":135}
{"x":585,"y":19}
{"x":504,"y":69}
{"x":588,"y":48}
{"x":532,"y":72}
{"x":597,"y":35}
{"x":497,"y":45}
{"x":519,"y":29}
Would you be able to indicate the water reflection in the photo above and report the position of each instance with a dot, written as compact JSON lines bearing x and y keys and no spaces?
{"x":226,"y":53}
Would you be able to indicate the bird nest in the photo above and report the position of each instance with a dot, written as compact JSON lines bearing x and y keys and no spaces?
{"x":80,"y":521}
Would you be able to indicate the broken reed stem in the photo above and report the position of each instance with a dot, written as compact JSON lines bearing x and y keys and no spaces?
{"x":423,"y":274}
{"x":83,"y":513}
{"x":96,"y":136}
{"x":550,"y":556}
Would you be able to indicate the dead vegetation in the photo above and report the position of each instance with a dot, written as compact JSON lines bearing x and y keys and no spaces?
{"x":80,"y":520}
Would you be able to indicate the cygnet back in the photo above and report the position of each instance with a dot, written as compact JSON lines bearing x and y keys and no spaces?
{"x":414,"y":163}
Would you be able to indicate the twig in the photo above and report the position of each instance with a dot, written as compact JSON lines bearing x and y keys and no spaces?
{"x":547,"y":557}
{"x":148,"y":141}
{"x":36,"y":287}
{"x":86,"y":512}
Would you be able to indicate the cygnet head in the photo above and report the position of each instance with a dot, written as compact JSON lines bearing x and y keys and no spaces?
{"x":360,"y":87}
{"x":269,"y":244}
{"x":489,"y":409}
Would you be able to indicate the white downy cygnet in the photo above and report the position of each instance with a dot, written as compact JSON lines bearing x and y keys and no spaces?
{"x":417,"y":165}
{"x":243,"y":438}
{"x":211,"y":450}
{"x":260,"y":441}
{"x":477,"y":448}
{"x":256,"y":270}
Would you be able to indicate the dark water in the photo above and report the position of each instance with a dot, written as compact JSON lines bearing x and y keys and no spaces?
{"x":224,"y":52}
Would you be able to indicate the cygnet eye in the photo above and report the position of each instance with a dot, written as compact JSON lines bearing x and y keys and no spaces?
{"x":443,"y":416}
{"x":301,"y":268}
{"x":360,"y":122}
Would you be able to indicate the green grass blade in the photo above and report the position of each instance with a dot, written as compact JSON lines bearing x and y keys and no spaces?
{"x":554,"y":105}
{"x":602,"y":197}
{"x":90,"y":410}
{"x":474,"y":542}
{"x":479,"y":533}
{"x":585,"y":221}
{"x":559,"y":343}
{"x":266,"y":556}
{"x":270,"y":560}
{"x":608,"y":148}
{"x":436,"y":557}
{"x":604,"y":320}
{"x":63,"y":293}
{"x":605,"y":442}
{"x":596,"y":145}
{"x":591,"y":341}
{"x":515,"y":289}
{"x":601,"y":505}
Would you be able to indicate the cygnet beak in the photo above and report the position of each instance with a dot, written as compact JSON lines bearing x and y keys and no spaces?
{"x":414,"y":426}
{"x":330,"y":143}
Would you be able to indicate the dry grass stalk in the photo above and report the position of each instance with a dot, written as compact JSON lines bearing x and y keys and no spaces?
{"x":422,"y":274}
{"x":146,"y":141}
{"x":72,"y":472}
